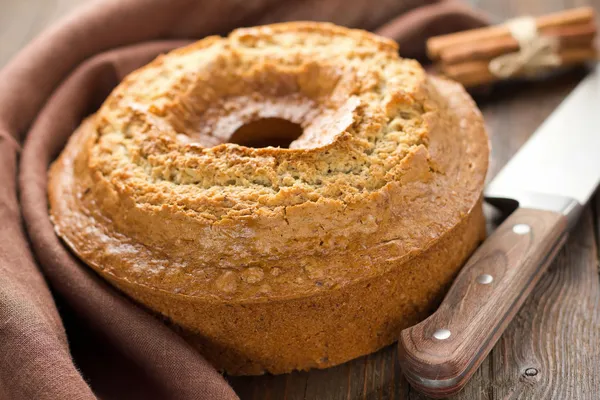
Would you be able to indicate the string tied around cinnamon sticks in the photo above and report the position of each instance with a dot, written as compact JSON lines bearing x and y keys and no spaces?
{"x":522,"y":47}
{"x":536,"y":52}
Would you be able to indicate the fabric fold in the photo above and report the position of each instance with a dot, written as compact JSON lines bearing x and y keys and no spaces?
{"x":162,"y":356}
{"x":45,"y":91}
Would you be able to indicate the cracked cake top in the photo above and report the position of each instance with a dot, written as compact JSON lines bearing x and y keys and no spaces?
{"x":161,"y":187}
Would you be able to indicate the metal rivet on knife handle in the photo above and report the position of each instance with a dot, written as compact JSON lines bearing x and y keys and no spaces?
{"x":549,"y":180}
{"x":484,"y":279}
{"x":521,"y":229}
{"x":440,"y":354}
{"x":442,"y":334}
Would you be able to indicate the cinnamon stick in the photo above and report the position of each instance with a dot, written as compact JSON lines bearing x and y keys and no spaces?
{"x":567,"y":36}
{"x":577,"y":16}
{"x":473,"y":73}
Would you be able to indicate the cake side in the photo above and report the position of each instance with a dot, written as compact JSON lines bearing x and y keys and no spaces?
{"x":366,"y":217}
{"x":324,"y":329}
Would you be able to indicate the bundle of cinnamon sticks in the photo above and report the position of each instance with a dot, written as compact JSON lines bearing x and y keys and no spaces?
{"x":466,"y":56}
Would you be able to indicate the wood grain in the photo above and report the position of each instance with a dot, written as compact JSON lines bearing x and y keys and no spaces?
{"x":474,"y":314}
{"x":554,"y":340}
{"x":556,"y":334}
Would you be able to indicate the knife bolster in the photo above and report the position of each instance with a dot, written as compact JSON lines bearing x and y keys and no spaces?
{"x":508,"y":202}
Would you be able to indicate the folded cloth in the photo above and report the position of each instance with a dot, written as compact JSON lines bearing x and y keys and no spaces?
{"x":112,"y":348}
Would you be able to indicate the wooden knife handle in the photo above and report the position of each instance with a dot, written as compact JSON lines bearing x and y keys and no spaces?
{"x":440,"y":354}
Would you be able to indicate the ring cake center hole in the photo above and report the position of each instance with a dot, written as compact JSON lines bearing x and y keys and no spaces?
{"x":264,"y":132}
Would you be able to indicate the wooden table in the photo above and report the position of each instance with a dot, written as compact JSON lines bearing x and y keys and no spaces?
{"x":550,"y":351}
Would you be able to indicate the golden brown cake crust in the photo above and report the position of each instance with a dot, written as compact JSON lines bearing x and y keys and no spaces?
{"x":278,"y":259}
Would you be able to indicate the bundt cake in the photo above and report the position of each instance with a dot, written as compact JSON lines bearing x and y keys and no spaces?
{"x":290,"y":196}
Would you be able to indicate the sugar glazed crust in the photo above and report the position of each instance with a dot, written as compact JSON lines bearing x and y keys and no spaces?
{"x":275,"y":259}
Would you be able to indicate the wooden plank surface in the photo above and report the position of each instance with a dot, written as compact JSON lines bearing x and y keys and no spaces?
{"x":550,"y":351}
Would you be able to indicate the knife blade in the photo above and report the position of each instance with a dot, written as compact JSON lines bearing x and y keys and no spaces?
{"x":548,"y":181}
{"x":562,"y":157}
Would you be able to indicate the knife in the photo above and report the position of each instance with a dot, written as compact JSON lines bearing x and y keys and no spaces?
{"x":546,"y":184}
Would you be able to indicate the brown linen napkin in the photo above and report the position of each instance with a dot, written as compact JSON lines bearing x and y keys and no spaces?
{"x":123,"y":352}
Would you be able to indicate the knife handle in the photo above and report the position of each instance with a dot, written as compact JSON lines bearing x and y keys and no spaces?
{"x":440,"y":354}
